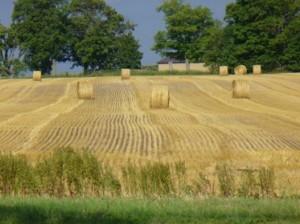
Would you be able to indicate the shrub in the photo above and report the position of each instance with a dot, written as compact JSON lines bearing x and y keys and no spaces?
{"x":267,"y":182}
{"x":204,"y":186}
{"x":180,"y":177}
{"x":155,"y":179}
{"x":226,"y":180}
{"x":16,"y":176}
{"x":69,"y":173}
{"x":130,"y":178}
{"x":248,"y":186}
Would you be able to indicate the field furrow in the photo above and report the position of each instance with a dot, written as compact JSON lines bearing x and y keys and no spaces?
{"x":26,"y":96}
{"x":203,"y":123}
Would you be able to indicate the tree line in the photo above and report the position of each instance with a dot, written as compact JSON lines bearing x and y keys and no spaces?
{"x":265,"y":32}
{"x":93,"y":35}
{"x":87,"y":33}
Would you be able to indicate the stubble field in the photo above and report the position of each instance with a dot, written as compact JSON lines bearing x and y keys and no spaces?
{"x":203,"y":126}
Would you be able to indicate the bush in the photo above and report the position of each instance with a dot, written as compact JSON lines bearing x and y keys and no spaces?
{"x":70,"y":173}
{"x":203,"y":186}
{"x":249,"y":186}
{"x":267,"y":182}
{"x":226,"y":180}
{"x":16,"y":176}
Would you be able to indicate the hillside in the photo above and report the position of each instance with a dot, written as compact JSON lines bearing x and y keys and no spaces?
{"x":203,"y":126}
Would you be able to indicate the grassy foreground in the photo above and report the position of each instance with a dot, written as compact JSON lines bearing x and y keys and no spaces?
{"x":135,"y":211}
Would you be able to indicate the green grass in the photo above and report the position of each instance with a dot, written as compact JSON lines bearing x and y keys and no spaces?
{"x":167,"y":73}
{"x":137,"y":211}
{"x":134,"y":72}
{"x":137,"y":72}
{"x":108,"y":73}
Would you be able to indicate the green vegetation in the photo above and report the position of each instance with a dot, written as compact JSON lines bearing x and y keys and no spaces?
{"x":93,"y":35}
{"x":262,"y":32}
{"x":134,"y":72}
{"x":136,"y":211}
{"x":88,"y":33}
{"x":165,"y":73}
{"x":70,"y":173}
{"x":101,"y":38}
{"x":184,"y":27}
{"x":10,"y":63}
{"x":41,"y":32}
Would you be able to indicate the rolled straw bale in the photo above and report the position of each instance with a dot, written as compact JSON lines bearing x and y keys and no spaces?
{"x":160,"y":97}
{"x":125,"y":73}
{"x":240,"y":70}
{"x":85,"y":90}
{"x":257,"y":70}
{"x":241,"y":89}
{"x":223,"y":70}
{"x":37,"y":76}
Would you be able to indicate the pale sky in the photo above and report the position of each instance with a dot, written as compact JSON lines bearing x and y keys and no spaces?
{"x":141,"y":12}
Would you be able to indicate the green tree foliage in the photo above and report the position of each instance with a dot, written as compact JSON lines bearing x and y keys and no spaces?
{"x":128,"y":54}
{"x":101,"y":38}
{"x":290,"y":42}
{"x":211,"y":46}
{"x":263,"y":32}
{"x":9,"y":62}
{"x":185,"y":27}
{"x":88,"y":33}
{"x":41,"y":31}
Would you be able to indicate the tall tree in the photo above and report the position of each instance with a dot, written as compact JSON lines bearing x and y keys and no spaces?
{"x":211,"y":46}
{"x":289,"y":42}
{"x":101,"y":38}
{"x":10,"y":64}
{"x":185,"y":26}
{"x":41,"y":30}
{"x":127,"y":54}
{"x":264,"y":32}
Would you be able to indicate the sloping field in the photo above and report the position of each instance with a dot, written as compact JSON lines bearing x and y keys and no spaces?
{"x":203,"y":126}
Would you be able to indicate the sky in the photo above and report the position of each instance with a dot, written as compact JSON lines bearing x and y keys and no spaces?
{"x":142,"y":13}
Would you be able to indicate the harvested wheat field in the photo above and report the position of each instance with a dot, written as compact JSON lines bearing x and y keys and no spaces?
{"x":203,"y":125}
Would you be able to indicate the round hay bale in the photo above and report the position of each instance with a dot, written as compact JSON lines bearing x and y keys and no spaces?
{"x":85,"y":90}
{"x":240,"y":70}
{"x":257,"y":70}
{"x":241,"y":89}
{"x":37,"y":76}
{"x":223,"y":70}
{"x":125,"y":74}
{"x":160,"y":97}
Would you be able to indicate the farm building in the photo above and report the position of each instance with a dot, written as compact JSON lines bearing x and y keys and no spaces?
{"x":169,"y":64}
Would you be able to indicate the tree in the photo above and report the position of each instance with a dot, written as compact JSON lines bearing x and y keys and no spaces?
{"x":185,"y":26}
{"x":41,"y":31}
{"x":263,"y":32}
{"x":289,"y":41}
{"x":211,"y":46}
{"x":128,"y":54}
{"x":5,"y":50}
{"x":9,"y":62}
{"x":101,"y":38}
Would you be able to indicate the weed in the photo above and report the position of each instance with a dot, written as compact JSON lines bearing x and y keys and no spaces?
{"x":204,"y":186}
{"x":226,"y":180}
{"x":267,"y":182}
{"x":249,"y":186}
